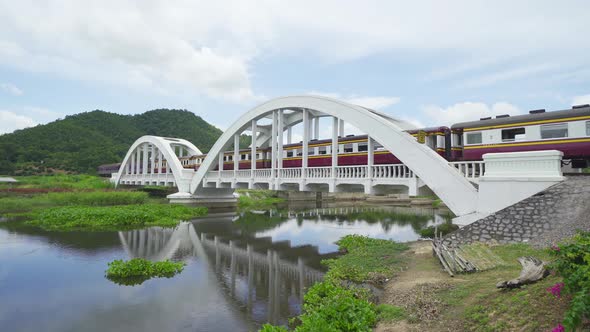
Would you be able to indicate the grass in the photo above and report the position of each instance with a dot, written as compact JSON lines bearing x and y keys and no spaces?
{"x":95,"y":198}
{"x":98,"y":218}
{"x":138,"y":270}
{"x":390,"y":313}
{"x":476,"y":305}
{"x":365,"y":259}
{"x":61,"y":181}
{"x":257,"y":199}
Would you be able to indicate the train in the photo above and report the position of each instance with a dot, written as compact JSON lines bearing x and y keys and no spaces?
{"x":565,"y":130}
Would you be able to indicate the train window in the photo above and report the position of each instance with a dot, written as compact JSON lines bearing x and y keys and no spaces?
{"x":363,"y":147}
{"x":473,"y":138}
{"x":513,"y":134}
{"x":554,"y":130}
{"x":347,"y":148}
{"x":322,"y":150}
{"x":587,"y":128}
{"x":289,"y":153}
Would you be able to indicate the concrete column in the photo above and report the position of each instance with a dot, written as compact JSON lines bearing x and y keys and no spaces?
{"x":153,"y":159}
{"x":316,"y":127}
{"x":305,"y":149}
{"x":160,"y":162}
{"x":137,"y":159}
{"x":180,"y":151}
{"x":273,"y":143}
{"x":334,"y":149}
{"x":280,"y":132}
{"x":145,"y":159}
{"x":289,"y":135}
{"x":253,"y":147}
{"x":370,"y":156}
{"x":220,"y":162}
{"x":341,"y":128}
{"x":236,"y":152}
{"x":131,"y":170}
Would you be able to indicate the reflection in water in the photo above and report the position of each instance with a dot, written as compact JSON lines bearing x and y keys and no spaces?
{"x":260,"y":282}
{"x":242,"y":270}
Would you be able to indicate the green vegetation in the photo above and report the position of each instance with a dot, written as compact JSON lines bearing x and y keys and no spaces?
{"x":60,"y":181}
{"x":474,"y":304}
{"x":331,"y":306}
{"x":81,"y":142}
{"x":365,"y":259}
{"x":390,"y":313}
{"x":138,"y":270}
{"x":258,"y":199}
{"x":573,"y":264}
{"x":115,"y":217}
{"x":444,"y":228}
{"x":96,"y":198}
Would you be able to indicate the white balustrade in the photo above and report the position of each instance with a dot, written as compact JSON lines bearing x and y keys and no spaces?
{"x":318,"y":172}
{"x":469,"y":169}
{"x":243,"y":173}
{"x":226,"y":174}
{"x":392,"y":171}
{"x":262,"y":173}
{"x":351,"y":172}
{"x":290,"y":173}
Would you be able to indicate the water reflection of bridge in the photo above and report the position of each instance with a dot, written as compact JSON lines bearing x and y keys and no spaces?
{"x":265,"y":280}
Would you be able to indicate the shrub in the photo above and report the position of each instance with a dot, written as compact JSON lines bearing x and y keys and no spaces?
{"x":115,"y":217}
{"x":138,"y":270}
{"x":331,"y":307}
{"x":98,"y":198}
{"x":445,"y":229}
{"x":573,"y":264}
{"x":364,"y":255}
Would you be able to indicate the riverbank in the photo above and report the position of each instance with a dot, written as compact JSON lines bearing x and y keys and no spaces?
{"x":433,"y":301}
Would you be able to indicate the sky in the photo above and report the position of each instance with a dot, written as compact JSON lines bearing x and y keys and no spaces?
{"x":427,"y":62}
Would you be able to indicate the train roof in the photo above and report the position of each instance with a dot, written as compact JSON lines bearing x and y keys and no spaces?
{"x":429,"y":130}
{"x":535,"y":115}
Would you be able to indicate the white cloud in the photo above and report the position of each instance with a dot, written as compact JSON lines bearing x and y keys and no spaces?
{"x":209,"y":47}
{"x":10,"y":121}
{"x":466,"y":111}
{"x":506,"y":75}
{"x":11,"y":89}
{"x":581,"y":100}
{"x":372,"y":102}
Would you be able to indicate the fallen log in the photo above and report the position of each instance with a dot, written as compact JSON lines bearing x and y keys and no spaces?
{"x":533,"y":269}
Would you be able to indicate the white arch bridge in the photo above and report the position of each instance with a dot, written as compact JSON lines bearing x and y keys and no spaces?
{"x":270,"y":125}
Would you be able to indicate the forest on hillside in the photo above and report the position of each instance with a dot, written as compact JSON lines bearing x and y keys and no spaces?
{"x":81,"y":142}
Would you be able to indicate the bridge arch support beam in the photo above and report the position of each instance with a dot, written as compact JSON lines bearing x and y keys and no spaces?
{"x":457,"y":193}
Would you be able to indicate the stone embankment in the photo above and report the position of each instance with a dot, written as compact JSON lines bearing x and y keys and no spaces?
{"x":542,"y":220}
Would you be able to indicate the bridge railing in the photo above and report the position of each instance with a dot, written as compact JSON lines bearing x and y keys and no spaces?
{"x":470,"y":169}
{"x":243,"y":173}
{"x":319,"y":172}
{"x":262,"y":173}
{"x":290,"y":173}
{"x":392,"y":171}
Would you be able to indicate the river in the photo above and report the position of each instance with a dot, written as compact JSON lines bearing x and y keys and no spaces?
{"x":243,"y":270}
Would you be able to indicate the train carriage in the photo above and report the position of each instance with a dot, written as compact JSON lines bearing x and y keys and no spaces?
{"x":567,"y":131}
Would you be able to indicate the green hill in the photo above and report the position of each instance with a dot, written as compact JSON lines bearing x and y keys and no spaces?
{"x":81,"y":142}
